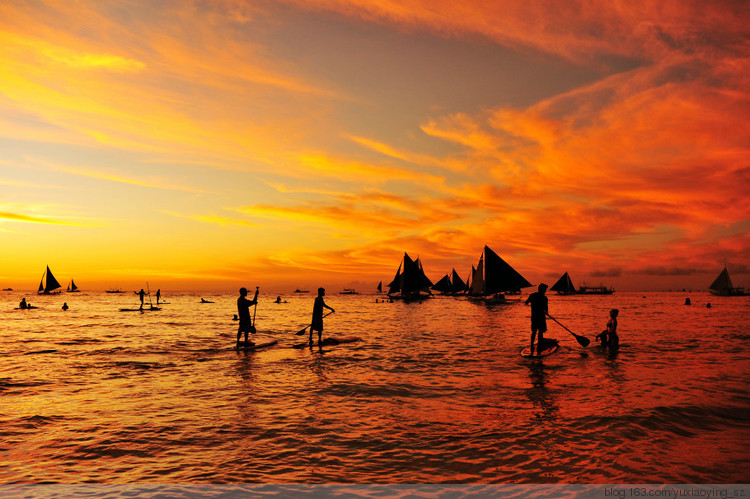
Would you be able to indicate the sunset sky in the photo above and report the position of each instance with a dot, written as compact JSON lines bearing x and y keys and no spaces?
{"x":200,"y":145}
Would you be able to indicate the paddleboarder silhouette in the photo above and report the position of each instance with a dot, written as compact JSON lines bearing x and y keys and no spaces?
{"x":539,"y":311}
{"x":317,"y":317}
{"x":141,"y":294}
{"x":243,"y":310}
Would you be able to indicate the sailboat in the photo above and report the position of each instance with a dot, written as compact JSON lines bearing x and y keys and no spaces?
{"x":72,"y":288}
{"x":493,"y":278}
{"x":48,"y":283}
{"x":564,"y":286}
{"x":451,"y":284}
{"x":411,"y":283}
{"x":380,"y":287}
{"x":457,"y":284}
{"x":722,"y":286}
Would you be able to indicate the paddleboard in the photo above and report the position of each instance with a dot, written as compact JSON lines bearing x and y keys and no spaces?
{"x":329,"y":341}
{"x":550,"y":348}
{"x":144,"y":309}
{"x":257,"y":346}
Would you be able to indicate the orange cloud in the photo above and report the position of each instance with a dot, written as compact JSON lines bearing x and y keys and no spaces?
{"x":577,"y":30}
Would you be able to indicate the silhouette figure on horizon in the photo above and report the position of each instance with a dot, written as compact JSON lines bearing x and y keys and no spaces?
{"x":243,"y":310}
{"x":317,"y":317}
{"x":539,"y":312}
{"x":23,"y":305}
{"x":158,"y":295}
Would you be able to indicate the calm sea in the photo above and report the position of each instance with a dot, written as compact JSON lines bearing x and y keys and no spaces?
{"x":435,"y":392}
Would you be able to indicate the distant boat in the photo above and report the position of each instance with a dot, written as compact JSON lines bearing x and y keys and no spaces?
{"x":595,"y":290}
{"x":114,"y":291}
{"x":564,"y":286}
{"x":348,"y":291}
{"x":301,"y":290}
{"x":72,"y":288}
{"x":411,"y":284}
{"x":450,"y":284}
{"x":443,"y":285}
{"x":380,"y":287}
{"x":722,"y":286}
{"x":48,"y":284}
{"x":7,"y":289}
{"x":494,"y":278}
{"x":457,"y":284}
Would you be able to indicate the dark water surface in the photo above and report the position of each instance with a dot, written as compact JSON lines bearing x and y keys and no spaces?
{"x":436,"y":392}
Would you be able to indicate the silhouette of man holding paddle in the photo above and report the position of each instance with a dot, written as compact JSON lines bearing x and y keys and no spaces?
{"x":141,"y":294}
{"x":539,"y":311}
{"x":243,"y":310}
{"x":317,"y":317}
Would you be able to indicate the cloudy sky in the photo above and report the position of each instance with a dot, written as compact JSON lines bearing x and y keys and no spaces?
{"x":302,"y":143}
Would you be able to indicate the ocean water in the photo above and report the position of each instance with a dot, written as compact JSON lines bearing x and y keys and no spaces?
{"x":435,"y":392}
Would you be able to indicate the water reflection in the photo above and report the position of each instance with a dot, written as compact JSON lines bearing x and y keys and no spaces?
{"x":541,"y":397}
{"x":245,"y":364}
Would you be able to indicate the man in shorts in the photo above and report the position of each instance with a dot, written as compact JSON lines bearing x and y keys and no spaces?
{"x":539,"y":311}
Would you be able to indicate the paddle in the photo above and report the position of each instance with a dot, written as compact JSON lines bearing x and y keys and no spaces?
{"x":302,"y":331}
{"x":149,"y":298}
{"x":255,"y":309}
{"x":582,"y":340}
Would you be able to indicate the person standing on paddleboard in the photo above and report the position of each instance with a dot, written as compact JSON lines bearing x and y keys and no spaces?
{"x":141,"y":293}
{"x":243,"y":310}
{"x":317,"y":317}
{"x":539,"y":312}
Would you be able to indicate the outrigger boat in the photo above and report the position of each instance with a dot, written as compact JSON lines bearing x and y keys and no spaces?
{"x":412,"y":284}
{"x":722,"y":286}
{"x":451,"y":284}
{"x":493,"y":279}
{"x":48,"y":284}
{"x":595,"y":290}
{"x":564,"y":286}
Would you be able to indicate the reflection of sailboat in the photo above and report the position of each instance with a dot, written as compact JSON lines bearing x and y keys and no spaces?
{"x":722,"y":286}
{"x":564,"y":286}
{"x":493,"y":278}
{"x":72,"y":288}
{"x":412,"y":283}
{"x":48,"y":283}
